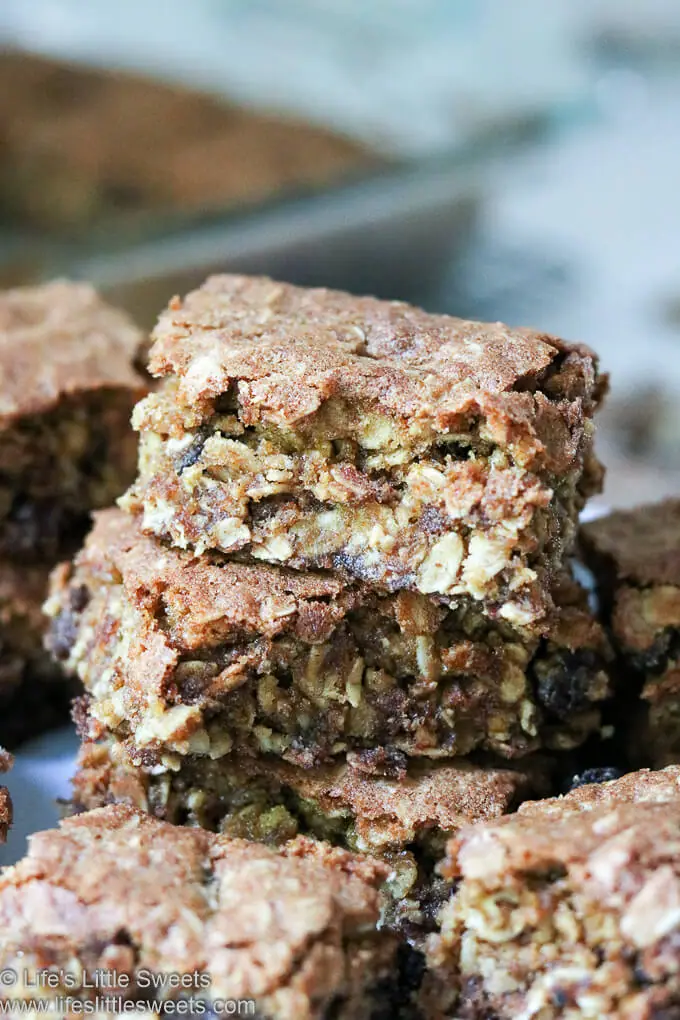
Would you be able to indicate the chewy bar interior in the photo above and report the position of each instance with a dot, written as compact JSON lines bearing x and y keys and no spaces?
{"x":67,"y":389}
{"x":34,"y":694}
{"x":410,"y":451}
{"x":119,"y":893}
{"x":568,"y":909}
{"x":635,"y":556}
{"x":375,"y":804}
{"x":6,"y":812}
{"x":185,"y":655}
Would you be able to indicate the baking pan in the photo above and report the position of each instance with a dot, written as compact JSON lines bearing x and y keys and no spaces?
{"x":393,"y":233}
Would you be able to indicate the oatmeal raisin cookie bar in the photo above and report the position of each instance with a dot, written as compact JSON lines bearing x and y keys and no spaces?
{"x":187,"y":655}
{"x":377,"y":804}
{"x":67,"y":390}
{"x":569,"y":909}
{"x":410,"y":451}
{"x":635,"y":555}
{"x":117,"y":893}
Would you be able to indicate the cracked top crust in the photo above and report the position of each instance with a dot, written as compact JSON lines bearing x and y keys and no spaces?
{"x":605,"y":835}
{"x":640,"y":545}
{"x":60,"y":339}
{"x":291,"y":349}
{"x":6,"y":762}
{"x":278,"y":928}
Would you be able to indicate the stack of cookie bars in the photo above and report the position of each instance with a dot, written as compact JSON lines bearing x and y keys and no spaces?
{"x":332,"y":656}
{"x":336,"y":600}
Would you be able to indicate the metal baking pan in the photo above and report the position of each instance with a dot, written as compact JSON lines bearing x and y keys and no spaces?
{"x":394,"y":233}
{"x":391,"y":235}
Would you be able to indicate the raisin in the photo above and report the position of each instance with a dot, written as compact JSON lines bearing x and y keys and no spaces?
{"x":78,"y":598}
{"x":596,"y":775}
{"x":380,"y":761}
{"x":192,"y":454}
{"x":656,"y":658}
{"x":411,"y":964}
{"x":564,"y":688}
{"x":62,"y":635}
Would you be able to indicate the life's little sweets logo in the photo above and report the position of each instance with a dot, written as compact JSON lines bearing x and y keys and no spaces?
{"x":99,"y":979}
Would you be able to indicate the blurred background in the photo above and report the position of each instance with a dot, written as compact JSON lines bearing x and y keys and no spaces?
{"x":498,"y":161}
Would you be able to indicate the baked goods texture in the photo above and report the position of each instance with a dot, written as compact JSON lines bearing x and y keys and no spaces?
{"x":67,"y":389}
{"x":119,"y":892}
{"x":635,"y":556}
{"x":568,"y":908}
{"x":382,"y":805}
{"x":407,"y":450}
{"x":188,"y":655}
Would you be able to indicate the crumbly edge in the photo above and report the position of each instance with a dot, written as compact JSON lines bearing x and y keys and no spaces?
{"x":534,"y":946}
{"x":396,"y":673}
{"x":214,"y":796}
{"x":59,"y":466}
{"x":656,"y":736}
{"x":395,"y":504}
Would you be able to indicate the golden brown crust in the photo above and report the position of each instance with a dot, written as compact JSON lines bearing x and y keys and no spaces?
{"x":443,"y":795}
{"x":382,"y":812}
{"x":567,"y":830}
{"x":288,"y":931}
{"x":410,"y":451}
{"x":61,"y":339}
{"x":207,"y":601}
{"x":292,"y":348}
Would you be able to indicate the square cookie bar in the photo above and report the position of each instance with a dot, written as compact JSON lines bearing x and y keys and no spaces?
{"x":568,"y":909}
{"x":635,"y":555}
{"x":378,"y":804}
{"x":410,"y":451}
{"x":187,"y":655}
{"x":5,"y":799}
{"x":118,"y":894}
{"x":67,"y":389}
